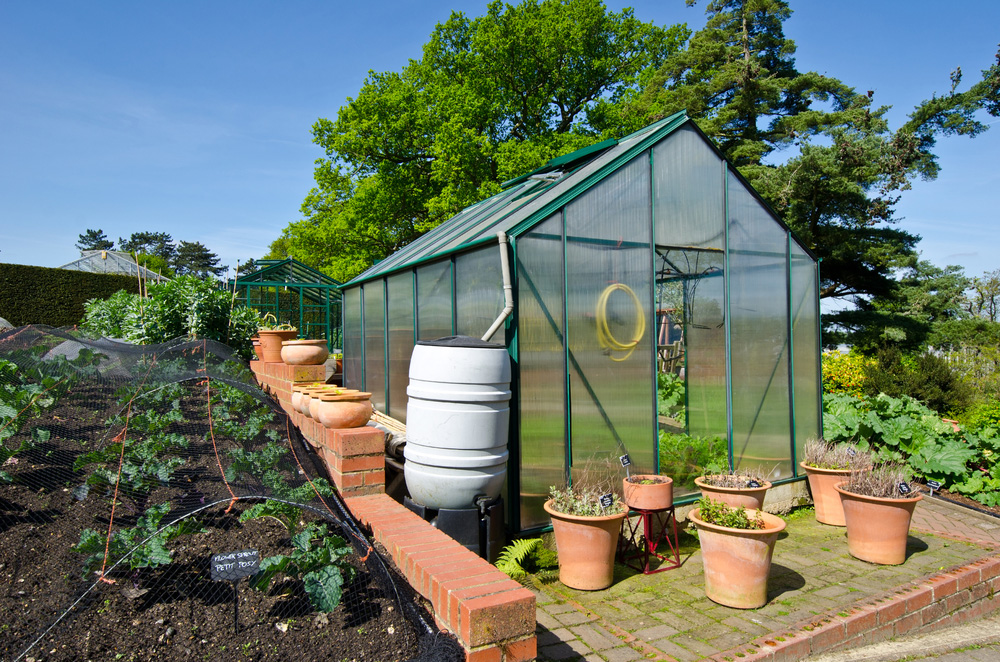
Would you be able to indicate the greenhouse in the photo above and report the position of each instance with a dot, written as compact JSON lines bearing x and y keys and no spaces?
{"x":294,"y":294}
{"x":661,"y":309}
{"x":112,"y":262}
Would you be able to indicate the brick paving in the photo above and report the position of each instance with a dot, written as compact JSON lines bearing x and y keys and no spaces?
{"x":818,"y":596}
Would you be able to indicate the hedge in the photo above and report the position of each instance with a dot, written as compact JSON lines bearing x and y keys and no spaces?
{"x":40,"y":295}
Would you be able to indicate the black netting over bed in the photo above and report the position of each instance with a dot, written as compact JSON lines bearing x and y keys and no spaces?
{"x":125,"y":469}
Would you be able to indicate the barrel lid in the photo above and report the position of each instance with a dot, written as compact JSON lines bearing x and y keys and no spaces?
{"x":461,"y":341}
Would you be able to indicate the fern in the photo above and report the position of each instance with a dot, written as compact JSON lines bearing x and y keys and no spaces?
{"x":514,"y":555}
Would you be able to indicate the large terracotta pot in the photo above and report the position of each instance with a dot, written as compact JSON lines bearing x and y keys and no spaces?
{"x":270,"y":343}
{"x":748,"y":497}
{"x":586,"y":547}
{"x":737,"y":561}
{"x":304,"y":352}
{"x":346,"y":409}
{"x":825,"y":498}
{"x":657,"y":495}
{"x":877,"y":528}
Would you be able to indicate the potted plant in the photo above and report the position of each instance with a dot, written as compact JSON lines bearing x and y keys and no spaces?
{"x":586,"y":521}
{"x":878,"y":505}
{"x":736,"y":549}
{"x":304,"y":351}
{"x":742,"y":487}
{"x":648,"y":492}
{"x":271,"y":335}
{"x":827,"y":464}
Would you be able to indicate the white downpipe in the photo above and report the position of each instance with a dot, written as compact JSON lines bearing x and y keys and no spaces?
{"x":508,"y":289}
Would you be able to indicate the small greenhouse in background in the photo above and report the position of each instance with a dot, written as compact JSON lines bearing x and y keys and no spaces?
{"x":640,"y":263}
{"x":295,"y":294}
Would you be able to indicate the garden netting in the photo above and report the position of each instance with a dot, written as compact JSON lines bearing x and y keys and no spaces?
{"x":156,"y":504}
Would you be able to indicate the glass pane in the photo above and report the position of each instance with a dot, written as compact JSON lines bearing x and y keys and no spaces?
{"x":609,"y":294}
{"x":374,"y":302}
{"x":691,"y":347}
{"x":758,"y":309}
{"x":399,"y":304}
{"x":689,"y":200}
{"x":353,"y":340}
{"x":434,"y":301}
{"x":806,"y":350}
{"x":542,"y":363}
{"x":478,"y":292}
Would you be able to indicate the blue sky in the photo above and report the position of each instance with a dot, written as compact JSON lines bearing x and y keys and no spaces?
{"x":193,"y":118}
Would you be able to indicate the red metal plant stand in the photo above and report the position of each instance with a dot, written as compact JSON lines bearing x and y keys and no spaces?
{"x":632,"y":547}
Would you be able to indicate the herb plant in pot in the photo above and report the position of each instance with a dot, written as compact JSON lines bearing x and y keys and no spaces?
{"x":736,"y":549}
{"x":586,"y":521}
{"x":742,"y":487}
{"x":648,"y":492}
{"x":827,"y":464}
{"x":878,"y":506}
{"x":271,"y":335}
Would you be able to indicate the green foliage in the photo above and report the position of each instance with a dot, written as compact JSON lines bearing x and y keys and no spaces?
{"x":192,"y":258}
{"x":318,"y":559}
{"x":147,"y":541}
{"x":720,"y":514}
{"x":94,"y":240}
{"x":184,"y":307}
{"x":39,"y":295}
{"x":526,"y":556}
{"x":585,"y":500}
{"x":925,"y":377}
{"x":490,"y":98}
{"x":684,"y":457}
{"x":844,"y":373}
{"x":670,"y":396}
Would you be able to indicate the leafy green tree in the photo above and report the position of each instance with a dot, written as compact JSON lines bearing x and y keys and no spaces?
{"x":94,"y":240}
{"x":983,"y":299}
{"x":194,"y":258}
{"x":490,"y":98}
{"x":821,"y":153}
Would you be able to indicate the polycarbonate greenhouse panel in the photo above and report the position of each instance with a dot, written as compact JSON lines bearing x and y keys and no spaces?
{"x":610,"y":334}
{"x":689,"y":196}
{"x":434,"y":301}
{"x":542,"y":365}
{"x":478,"y":292}
{"x":374,"y":306}
{"x":353,"y":339}
{"x":399,"y":307}
{"x":759,"y":338}
{"x":806,"y":349}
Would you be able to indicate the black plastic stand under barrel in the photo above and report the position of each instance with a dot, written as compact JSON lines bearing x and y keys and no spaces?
{"x":479,"y":529}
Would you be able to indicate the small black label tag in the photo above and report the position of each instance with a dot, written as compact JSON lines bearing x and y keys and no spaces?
{"x":934,"y":485}
{"x":606,"y":500}
{"x":232,"y":566}
{"x":904,"y":488}
{"x":625,"y":460}
{"x":851,"y":452}
{"x":753,"y":483}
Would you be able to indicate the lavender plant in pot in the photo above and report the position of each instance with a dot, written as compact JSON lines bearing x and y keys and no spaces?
{"x":828,"y":464}
{"x":740,"y":487}
{"x":878,"y":506}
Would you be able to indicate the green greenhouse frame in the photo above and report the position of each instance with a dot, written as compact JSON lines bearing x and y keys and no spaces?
{"x":636,"y":262}
{"x":295,"y":294}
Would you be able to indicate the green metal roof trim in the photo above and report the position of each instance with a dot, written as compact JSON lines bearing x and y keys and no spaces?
{"x":288,"y":272}
{"x":528,"y":200}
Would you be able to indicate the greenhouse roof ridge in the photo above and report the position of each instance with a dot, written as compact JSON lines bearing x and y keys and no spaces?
{"x":289,"y":269}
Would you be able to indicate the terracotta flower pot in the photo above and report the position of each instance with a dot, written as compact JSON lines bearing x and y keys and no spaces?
{"x":304,"y":352}
{"x":877,"y":528}
{"x":258,"y":352}
{"x":825,"y":498}
{"x":300,"y":395}
{"x":748,"y":497}
{"x":656,"y":495}
{"x":270,"y":343}
{"x":737,"y":561}
{"x":346,"y":409}
{"x":586,"y":547}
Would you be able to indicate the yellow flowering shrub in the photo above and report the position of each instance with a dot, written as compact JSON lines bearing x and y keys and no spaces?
{"x":844,"y":373}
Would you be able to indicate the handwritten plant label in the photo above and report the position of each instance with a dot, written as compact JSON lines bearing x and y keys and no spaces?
{"x":233,"y":566}
{"x":625,"y":460}
{"x":606,"y":500}
{"x":904,"y":488}
{"x":934,"y":485}
{"x":753,"y":484}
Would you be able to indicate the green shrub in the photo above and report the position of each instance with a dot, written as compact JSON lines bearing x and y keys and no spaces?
{"x":925,"y":377}
{"x":39,"y":295}
{"x":684,"y":458}
{"x":844,"y":373}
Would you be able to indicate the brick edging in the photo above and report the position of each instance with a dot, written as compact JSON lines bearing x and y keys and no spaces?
{"x":958,"y":595}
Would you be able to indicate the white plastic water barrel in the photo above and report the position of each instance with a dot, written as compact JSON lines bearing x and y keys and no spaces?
{"x":456,"y":421}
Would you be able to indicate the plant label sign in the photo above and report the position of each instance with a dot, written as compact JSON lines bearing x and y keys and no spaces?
{"x":934,"y":485}
{"x":904,"y":488}
{"x":625,"y":460}
{"x":851,"y":452}
{"x":234,"y":566}
{"x":753,"y":484}
{"x":607,"y":500}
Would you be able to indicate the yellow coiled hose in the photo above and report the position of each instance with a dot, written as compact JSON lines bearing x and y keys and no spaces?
{"x":604,"y":337}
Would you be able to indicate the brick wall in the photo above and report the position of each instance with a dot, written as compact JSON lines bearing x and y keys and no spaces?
{"x":492,"y":615}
